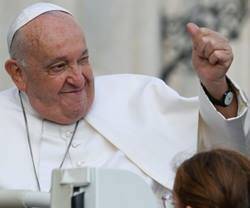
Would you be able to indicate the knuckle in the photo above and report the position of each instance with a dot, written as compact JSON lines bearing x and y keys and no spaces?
{"x":205,"y":39}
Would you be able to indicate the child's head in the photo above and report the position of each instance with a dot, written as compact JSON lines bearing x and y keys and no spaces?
{"x":214,"y":179}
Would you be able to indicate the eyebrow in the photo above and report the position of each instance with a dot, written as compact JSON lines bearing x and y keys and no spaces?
{"x":85,"y":52}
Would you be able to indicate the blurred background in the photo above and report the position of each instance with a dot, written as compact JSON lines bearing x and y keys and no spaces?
{"x":149,"y":36}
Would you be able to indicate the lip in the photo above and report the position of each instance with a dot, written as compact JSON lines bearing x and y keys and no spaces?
{"x":75,"y":91}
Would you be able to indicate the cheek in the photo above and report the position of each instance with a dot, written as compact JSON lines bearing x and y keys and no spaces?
{"x":47,"y":87}
{"x":88,"y":72}
{"x":33,"y":84}
{"x":57,"y":83}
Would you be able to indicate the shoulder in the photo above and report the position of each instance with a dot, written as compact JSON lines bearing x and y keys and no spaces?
{"x":129,"y":91}
{"x":130,"y":83}
{"x":7,"y":93}
{"x":124,"y":78}
{"x":8,"y":99}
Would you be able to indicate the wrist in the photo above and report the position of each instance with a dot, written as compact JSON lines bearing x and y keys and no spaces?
{"x":226,"y":97}
{"x":217,"y":88}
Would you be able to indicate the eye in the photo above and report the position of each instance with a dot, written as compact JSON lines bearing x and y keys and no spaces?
{"x":83,"y":60}
{"x":57,"y":68}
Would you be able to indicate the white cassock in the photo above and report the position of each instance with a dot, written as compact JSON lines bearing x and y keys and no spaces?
{"x":136,"y":123}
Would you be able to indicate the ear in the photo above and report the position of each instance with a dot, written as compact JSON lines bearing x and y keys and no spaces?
{"x":16,"y":74}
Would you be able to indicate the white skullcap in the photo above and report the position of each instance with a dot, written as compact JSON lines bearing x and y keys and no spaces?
{"x":28,"y":14}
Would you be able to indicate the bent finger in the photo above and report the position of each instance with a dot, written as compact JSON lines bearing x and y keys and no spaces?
{"x":220,"y":56}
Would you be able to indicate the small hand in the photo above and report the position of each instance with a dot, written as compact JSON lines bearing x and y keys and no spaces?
{"x":211,"y":57}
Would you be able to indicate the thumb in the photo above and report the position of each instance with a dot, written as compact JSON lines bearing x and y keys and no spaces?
{"x":192,"y":29}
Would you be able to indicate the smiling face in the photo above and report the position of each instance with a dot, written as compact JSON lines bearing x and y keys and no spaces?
{"x":56,"y":74}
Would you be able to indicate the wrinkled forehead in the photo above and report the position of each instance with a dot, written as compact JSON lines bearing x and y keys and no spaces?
{"x":48,"y":28}
{"x":49,"y":23}
{"x":28,"y":14}
{"x":49,"y":36}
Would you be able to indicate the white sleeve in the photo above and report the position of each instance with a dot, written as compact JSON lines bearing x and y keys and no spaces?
{"x":217,"y":131}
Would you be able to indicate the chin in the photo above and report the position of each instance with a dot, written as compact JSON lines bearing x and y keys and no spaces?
{"x":68,"y":115}
{"x":77,"y":113}
{"x":76,"y":110}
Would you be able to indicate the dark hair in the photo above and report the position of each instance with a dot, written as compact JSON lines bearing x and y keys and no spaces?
{"x":214,"y":179}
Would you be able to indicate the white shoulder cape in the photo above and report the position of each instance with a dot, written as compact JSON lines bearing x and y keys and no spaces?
{"x":146,"y":120}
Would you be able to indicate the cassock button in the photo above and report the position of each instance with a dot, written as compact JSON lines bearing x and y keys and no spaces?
{"x":68,"y":134}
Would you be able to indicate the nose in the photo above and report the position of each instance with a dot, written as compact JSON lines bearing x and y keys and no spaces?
{"x":75,"y":76}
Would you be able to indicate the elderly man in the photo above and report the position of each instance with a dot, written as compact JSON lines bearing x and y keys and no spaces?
{"x":58,"y":117}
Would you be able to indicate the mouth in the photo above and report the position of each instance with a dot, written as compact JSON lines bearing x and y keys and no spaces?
{"x":73,"y":91}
